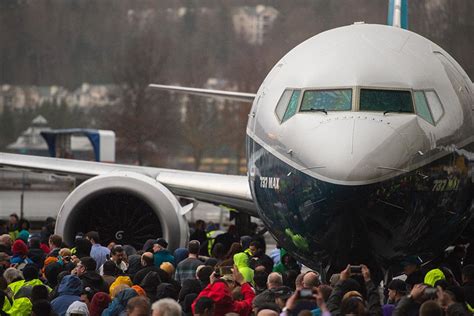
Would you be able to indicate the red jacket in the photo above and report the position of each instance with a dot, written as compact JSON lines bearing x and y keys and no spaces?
{"x":220,"y":293}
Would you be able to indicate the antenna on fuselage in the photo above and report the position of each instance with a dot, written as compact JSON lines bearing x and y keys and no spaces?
{"x":398,"y":13}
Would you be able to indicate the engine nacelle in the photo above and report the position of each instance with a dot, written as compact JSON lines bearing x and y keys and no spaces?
{"x":124,"y":207}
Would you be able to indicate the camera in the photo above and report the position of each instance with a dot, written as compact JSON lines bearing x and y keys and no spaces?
{"x":306,"y":294}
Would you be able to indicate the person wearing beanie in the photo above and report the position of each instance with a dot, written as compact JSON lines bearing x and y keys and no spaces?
{"x":24,"y":235}
{"x":20,"y":254}
{"x":99,"y":302}
{"x":69,"y":291}
{"x":140,"y":291}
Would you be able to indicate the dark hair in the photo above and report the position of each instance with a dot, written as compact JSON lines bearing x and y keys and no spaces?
{"x":116,"y":249}
{"x":39,"y":292}
{"x":218,"y":251}
{"x":89,"y":263}
{"x":35,"y":243}
{"x":457,"y":309}
{"x":289,"y":278}
{"x":204,"y":273}
{"x":22,"y":222}
{"x":260,"y":278}
{"x":194,"y":247}
{"x":256,"y":244}
{"x":30,"y":272}
{"x":468,"y":272}
{"x":353,"y":305}
{"x":234,"y":248}
{"x":94,"y":236}
{"x":202,"y":304}
{"x":56,"y":240}
{"x":41,"y":308}
{"x":110,"y":268}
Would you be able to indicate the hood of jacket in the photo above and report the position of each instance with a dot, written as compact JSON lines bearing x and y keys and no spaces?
{"x":241,"y":260}
{"x":119,"y":303}
{"x":70,"y":285}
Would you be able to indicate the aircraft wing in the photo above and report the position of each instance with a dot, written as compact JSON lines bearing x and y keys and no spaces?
{"x":230,"y":190}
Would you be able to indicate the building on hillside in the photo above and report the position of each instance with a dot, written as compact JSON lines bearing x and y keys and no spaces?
{"x":254,"y":23}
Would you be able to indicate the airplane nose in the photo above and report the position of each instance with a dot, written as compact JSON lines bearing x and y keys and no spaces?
{"x":353,"y":151}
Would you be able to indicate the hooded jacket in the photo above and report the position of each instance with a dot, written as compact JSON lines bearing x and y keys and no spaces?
{"x":93,"y":280}
{"x":241,"y":260}
{"x":119,"y":303}
{"x":69,"y":291}
{"x":220,"y":293}
{"x":162,"y":256}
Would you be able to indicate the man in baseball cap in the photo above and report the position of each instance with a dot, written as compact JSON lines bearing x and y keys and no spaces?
{"x":160,"y":254}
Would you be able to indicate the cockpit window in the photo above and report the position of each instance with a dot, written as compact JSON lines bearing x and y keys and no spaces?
{"x":292,"y":105}
{"x":386,"y":100}
{"x":327,"y":100}
{"x":422,"y":108}
{"x":283,"y":104}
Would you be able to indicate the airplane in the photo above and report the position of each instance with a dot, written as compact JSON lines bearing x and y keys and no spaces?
{"x":359,"y":150}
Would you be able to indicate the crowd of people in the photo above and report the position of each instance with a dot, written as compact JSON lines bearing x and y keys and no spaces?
{"x":228,"y":275}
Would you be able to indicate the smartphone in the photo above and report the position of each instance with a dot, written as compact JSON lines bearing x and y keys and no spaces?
{"x":356,"y":269}
{"x":225,"y":270}
{"x":306,"y":294}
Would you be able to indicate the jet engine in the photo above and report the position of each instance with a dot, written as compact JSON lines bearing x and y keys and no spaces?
{"x":124,"y":207}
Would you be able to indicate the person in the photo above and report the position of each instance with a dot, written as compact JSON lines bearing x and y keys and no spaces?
{"x":274,"y":281}
{"x":199,"y":233}
{"x":468,"y":284}
{"x":228,"y":261}
{"x":118,"y":257}
{"x":6,"y":244}
{"x":311,"y":280}
{"x":20,"y":254}
{"x":204,"y":307}
{"x":85,"y":270}
{"x":343,"y":302}
{"x":98,"y":252}
{"x":186,"y":269}
{"x":55,"y":242}
{"x":220,"y":291}
{"x":454,"y":261}
{"x":41,"y":308}
{"x":160,"y":254}
{"x":259,"y":258}
{"x":119,"y":303}
{"x":241,"y":260}
{"x":35,"y":253}
{"x":166,"y":307}
{"x":148,"y":266}
{"x":226,"y":239}
{"x":138,"y":306}
{"x":69,"y":291}
{"x":287,"y":262}
{"x":12,"y":226}
{"x":397,"y":289}
{"x":412,"y":269}
{"x":77,"y":308}
{"x":431,"y":308}
{"x":100,"y":301}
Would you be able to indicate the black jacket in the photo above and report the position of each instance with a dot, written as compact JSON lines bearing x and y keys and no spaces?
{"x":93,"y":280}
{"x":468,"y":289}
{"x":406,"y":307}
{"x":373,"y":300}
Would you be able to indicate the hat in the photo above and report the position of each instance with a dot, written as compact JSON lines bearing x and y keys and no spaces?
{"x":283,"y":292}
{"x":19,"y":248}
{"x":411,"y":260}
{"x":398,"y":285}
{"x":140,"y":291}
{"x":77,"y":308}
{"x":162,"y":242}
{"x":99,"y":302}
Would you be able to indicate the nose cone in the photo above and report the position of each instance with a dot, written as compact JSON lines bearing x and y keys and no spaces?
{"x":353,"y":151}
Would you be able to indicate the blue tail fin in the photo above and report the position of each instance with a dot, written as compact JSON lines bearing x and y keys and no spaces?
{"x":398,"y":13}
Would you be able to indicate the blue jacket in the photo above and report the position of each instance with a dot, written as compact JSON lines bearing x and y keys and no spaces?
{"x":69,"y":291}
{"x":163,"y":256}
{"x":119,"y":304}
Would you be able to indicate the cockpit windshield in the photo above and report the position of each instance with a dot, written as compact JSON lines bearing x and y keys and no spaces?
{"x":327,"y":100}
{"x":386,"y":100}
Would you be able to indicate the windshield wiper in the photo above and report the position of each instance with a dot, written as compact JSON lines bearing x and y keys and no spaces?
{"x":394,"y":111}
{"x":320,"y":110}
